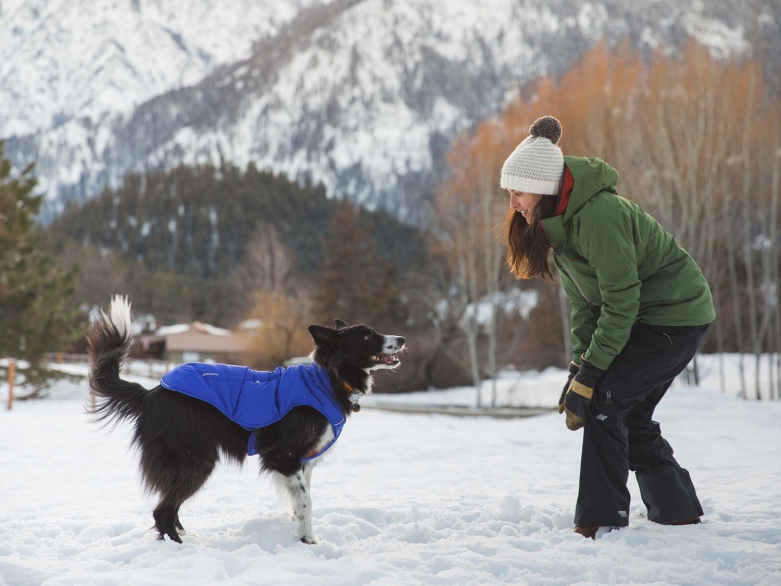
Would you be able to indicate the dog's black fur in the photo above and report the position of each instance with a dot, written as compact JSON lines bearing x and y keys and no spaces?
{"x":180,"y":438}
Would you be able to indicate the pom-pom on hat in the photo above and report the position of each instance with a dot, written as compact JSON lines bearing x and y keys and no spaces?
{"x":536,"y":165}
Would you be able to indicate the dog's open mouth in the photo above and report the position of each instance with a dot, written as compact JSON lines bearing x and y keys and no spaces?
{"x":387,"y":359}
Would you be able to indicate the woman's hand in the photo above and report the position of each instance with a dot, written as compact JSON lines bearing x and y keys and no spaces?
{"x":573,"y":370}
{"x":577,"y":399}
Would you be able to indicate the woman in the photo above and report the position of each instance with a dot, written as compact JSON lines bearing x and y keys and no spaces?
{"x":640,"y":308}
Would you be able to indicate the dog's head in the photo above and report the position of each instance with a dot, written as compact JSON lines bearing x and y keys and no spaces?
{"x":348,"y":348}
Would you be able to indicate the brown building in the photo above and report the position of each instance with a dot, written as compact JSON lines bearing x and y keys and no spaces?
{"x":195,"y":342}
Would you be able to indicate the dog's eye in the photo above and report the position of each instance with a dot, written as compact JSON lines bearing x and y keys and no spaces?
{"x":368,"y":337}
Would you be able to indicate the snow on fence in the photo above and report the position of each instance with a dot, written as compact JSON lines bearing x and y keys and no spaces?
{"x":11,"y":375}
{"x":148,"y":367}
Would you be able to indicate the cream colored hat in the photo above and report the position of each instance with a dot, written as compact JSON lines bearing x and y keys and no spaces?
{"x":536,"y":165}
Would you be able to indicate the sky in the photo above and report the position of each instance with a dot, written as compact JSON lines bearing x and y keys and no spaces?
{"x":400,"y":499}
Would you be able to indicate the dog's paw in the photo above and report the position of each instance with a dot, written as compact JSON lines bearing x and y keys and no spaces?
{"x":310,"y":540}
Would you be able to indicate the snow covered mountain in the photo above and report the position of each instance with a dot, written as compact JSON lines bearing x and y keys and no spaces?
{"x":90,"y":58}
{"x":362,"y":95}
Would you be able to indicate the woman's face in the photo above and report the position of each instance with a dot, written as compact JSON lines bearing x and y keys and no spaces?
{"x":523,"y":203}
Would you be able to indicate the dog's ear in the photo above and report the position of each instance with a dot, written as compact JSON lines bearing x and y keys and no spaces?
{"x":324,"y":335}
{"x":340,"y":324}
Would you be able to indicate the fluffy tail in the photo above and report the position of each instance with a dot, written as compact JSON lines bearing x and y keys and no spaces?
{"x":109,"y":342}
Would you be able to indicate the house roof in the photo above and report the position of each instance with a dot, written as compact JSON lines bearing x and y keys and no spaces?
{"x":197,"y":337}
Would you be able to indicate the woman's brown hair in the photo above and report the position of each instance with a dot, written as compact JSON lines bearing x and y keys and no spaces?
{"x":527,"y":248}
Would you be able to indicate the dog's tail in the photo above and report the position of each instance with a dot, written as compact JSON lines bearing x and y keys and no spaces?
{"x":109,"y":343}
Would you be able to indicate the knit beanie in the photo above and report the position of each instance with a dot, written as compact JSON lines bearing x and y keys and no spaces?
{"x":536,"y":165}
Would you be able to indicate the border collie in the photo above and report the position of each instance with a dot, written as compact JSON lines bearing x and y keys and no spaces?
{"x":289,"y":416}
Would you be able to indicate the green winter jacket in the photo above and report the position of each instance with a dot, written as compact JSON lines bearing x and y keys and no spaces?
{"x":619,"y":266}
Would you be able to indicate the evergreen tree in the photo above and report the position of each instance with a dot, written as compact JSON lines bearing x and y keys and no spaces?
{"x":35,"y":297}
{"x":180,"y":235}
{"x":353,"y":284}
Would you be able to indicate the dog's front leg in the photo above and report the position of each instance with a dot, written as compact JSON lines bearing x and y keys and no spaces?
{"x":298,"y":488}
{"x":308,"y":467}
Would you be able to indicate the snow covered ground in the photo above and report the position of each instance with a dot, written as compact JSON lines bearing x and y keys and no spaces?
{"x":401,"y":499}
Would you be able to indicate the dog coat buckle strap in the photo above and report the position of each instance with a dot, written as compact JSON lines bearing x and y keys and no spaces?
{"x":353,"y":398}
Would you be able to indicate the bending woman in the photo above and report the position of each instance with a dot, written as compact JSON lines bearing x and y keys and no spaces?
{"x":640,"y":308}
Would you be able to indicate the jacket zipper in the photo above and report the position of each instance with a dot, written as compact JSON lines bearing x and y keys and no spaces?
{"x":571,"y":278}
{"x":561,"y":265}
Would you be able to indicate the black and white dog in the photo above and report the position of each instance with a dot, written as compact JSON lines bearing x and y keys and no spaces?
{"x":201,"y":410}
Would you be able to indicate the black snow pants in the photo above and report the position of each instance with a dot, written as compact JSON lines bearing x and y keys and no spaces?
{"x":619,"y":435}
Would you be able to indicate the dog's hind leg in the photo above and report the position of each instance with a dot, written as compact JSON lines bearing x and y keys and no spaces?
{"x":165,"y":521}
{"x":182,"y":481}
{"x":297,"y":486}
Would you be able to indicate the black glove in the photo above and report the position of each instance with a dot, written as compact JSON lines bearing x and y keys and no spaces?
{"x":573,"y":370}
{"x":578,"y":397}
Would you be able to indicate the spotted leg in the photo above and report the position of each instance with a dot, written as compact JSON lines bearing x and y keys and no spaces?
{"x":297,"y":486}
{"x":308,"y":467}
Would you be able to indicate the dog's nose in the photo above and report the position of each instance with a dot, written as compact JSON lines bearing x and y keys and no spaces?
{"x":400,"y":340}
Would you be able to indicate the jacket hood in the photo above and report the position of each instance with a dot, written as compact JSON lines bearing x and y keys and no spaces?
{"x":591,"y":176}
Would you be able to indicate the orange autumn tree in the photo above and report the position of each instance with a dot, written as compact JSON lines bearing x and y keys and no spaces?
{"x":469,"y":204}
{"x":707,"y":158}
{"x":596,"y":102}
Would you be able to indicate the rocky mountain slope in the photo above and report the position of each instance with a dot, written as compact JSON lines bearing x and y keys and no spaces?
{"x":361,"y":95}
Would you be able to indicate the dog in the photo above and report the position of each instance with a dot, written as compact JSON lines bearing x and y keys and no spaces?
{"x":186,"y":423}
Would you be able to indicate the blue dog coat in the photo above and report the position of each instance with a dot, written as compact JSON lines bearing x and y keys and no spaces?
{"x":257,"y":398}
